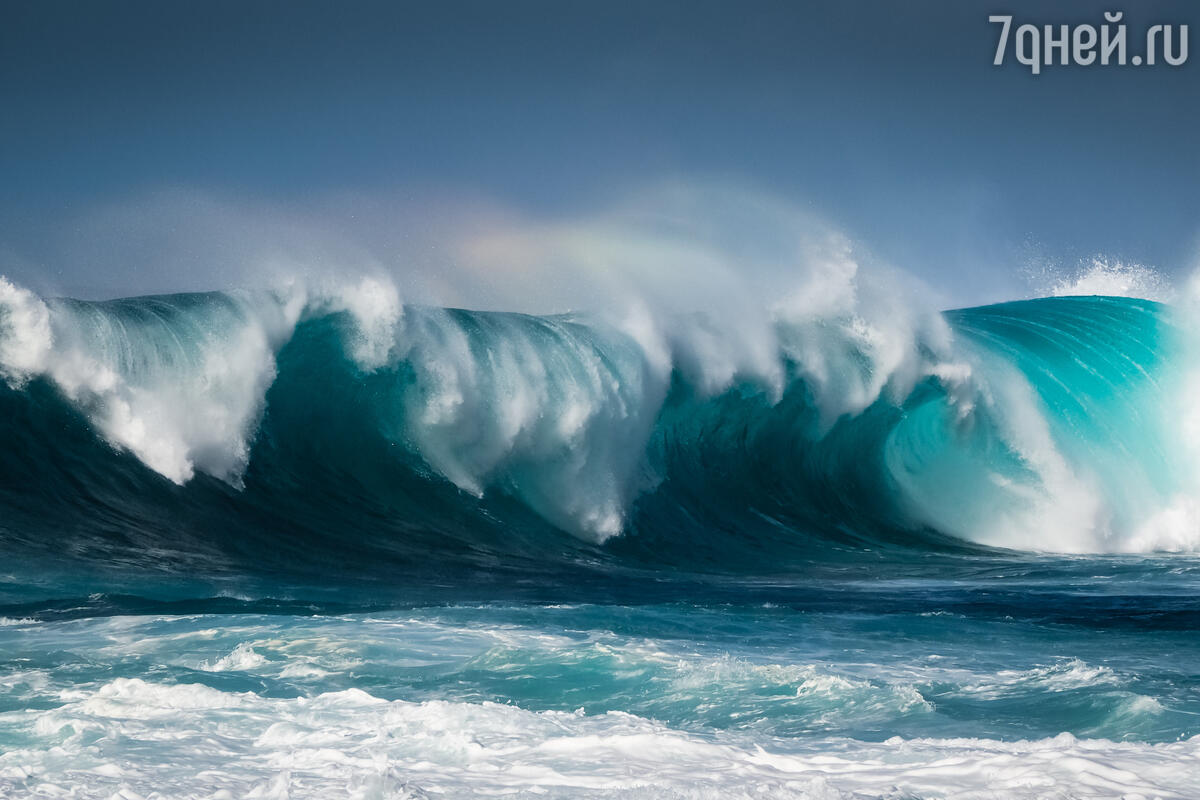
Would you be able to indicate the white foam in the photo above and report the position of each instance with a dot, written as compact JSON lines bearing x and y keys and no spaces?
{"x":531,"y":406}
{"x":830,"y":696}
{"x":721,"y":285}
{"x":1174,"y":525}
{"x":1055,"y":505}
{"x":25,"y":335}
{"x":1112,"y":278}
{"x":198,"y":742}
{"x":181,"y":395}
{"x":855,"y":334}
{"x":374,"y":302}
{"x":242,"y":658}
{"x":1064,"y":676}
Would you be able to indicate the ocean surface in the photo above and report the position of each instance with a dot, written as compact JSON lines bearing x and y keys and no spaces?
{"x":302,"y":545}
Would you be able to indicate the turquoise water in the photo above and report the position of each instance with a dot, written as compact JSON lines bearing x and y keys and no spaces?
{"x":261,"y":548}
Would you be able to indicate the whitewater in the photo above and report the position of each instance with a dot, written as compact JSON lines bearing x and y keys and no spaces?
{"x":316,"y":541}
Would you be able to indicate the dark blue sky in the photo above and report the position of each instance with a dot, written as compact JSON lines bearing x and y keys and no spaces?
{"x":888,"y":118}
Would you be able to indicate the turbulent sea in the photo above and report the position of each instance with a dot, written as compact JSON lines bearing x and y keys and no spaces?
{"x":318,"y":545}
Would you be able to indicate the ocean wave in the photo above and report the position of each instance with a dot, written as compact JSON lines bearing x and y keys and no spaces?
{"x":260,"y":426}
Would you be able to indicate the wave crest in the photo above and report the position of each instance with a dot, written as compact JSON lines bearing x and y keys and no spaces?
{"x":1036,"y":425}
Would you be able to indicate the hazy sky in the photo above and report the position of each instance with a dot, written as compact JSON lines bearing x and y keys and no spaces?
{"x":125,"y":123}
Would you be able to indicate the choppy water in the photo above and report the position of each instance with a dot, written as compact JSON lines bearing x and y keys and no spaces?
{"x":268,"y":546}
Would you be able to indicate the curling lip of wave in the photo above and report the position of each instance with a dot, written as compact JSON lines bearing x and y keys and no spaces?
{"x":1039,"y":424}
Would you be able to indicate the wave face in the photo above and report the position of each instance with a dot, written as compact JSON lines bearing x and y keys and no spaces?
{"x":313,"y":543}
{"x":234,"y":431}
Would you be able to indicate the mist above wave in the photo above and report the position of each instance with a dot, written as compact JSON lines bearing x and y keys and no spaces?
{"x":690,"y":299}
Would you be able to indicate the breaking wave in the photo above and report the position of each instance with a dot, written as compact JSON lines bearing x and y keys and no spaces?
{"x":271,"y":427}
